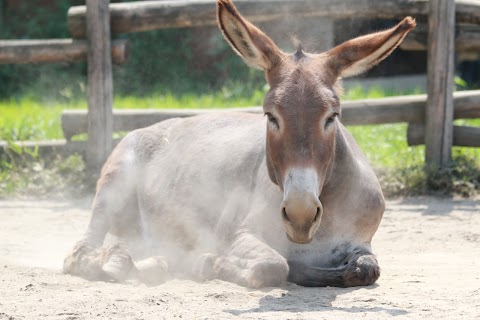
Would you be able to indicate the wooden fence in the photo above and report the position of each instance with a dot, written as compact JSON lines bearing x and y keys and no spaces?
{"x":430,"y":116}
{"x":56,"y":50}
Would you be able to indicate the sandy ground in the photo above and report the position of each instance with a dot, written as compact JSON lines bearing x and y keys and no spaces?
{"x":429,"y":251}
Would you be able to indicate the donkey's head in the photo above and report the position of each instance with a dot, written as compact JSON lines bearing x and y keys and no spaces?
{"x":302,"y":106}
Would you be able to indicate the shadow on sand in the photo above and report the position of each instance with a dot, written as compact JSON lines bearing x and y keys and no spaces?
{"x":438,"y":206}
{"x":301,"y":299}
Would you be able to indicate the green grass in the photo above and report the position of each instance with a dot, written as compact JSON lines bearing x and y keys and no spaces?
{"x":400,"y":167}
{"x":357,"y":92}
{"x":28,"y":119}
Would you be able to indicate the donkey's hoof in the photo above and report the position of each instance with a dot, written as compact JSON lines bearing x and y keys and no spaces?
{"x":362,"y":272}
{"x":152,"y":271}
{"x":118,"y":263}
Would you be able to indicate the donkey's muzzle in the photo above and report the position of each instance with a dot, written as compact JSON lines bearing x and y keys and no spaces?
{"x":301,"y":215}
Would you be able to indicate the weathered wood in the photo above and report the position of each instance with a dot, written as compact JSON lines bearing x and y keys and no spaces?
{"x":46,"y":148}
{"x":75,"y":121}
{"x":466,"y":104}
{"x":384,"y":110}
{"x":359,"y":112}
{"x":467,"y":38}
{"x":57,"y":50}
{"x":467,"y":11}
{"x":462,"y":136}
{"x":406,"y":108}
{"x":152,"y":15}
{"x":2,"y":13}
{"x":440,"y":73}
{"x":100,"y":86}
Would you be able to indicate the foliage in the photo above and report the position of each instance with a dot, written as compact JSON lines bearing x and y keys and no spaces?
{"x":460,"y":83}
{"x":461,"y":178}
{"x":26,"y":21}
{"x":25,"y":173}
{"x":400,"y":167}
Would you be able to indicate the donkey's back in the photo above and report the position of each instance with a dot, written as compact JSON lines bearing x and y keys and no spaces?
{"x":196,"y":163}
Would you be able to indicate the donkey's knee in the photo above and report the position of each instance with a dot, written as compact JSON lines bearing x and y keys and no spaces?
{"x":361,"y":271}
{"x":85,"y":261}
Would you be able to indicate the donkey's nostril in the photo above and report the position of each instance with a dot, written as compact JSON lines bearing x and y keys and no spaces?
{"x":317,"y":215}
{"x":285,"y":215}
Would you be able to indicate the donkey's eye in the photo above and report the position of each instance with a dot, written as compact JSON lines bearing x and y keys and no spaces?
{"x":272,"y":119}
{"x":331,"y":119}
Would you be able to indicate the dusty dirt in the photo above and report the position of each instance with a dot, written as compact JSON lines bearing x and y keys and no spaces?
{"x":428,"y":248}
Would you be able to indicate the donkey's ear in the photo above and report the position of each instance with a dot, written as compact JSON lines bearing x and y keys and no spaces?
{"x":360,"y":54}
{"x":255,"y":48}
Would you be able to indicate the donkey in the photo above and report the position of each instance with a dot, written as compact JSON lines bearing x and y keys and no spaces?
{"x":244,"y":198}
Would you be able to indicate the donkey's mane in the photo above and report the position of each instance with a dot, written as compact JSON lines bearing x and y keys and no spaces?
{"x":297,"y":44}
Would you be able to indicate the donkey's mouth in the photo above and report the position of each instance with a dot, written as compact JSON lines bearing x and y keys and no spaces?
{"x":299,"y":240}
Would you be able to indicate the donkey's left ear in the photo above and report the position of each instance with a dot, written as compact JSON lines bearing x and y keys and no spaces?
{"x":360,"y":54}
{"x":255,"y":47}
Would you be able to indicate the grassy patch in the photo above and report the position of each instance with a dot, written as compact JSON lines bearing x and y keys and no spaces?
{"x":29,"y":119}
{"x":401,"y":168}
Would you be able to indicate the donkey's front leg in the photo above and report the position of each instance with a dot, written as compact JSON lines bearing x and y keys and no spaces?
{"x":354,"y":266}
{"x":251,"y":263}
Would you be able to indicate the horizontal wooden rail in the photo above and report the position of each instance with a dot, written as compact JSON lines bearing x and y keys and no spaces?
{"x":47,"y":147}
{"x":56,"y":50}
{"x":151,"y":15}
{"x":462,"y":136}
{"x":75,"y":121}
{"x":359,"y":112}
{"x":467,"y":38}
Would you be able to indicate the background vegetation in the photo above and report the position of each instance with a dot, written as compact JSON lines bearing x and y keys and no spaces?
{"x":162,"y":61}
{"x":164,"y":72}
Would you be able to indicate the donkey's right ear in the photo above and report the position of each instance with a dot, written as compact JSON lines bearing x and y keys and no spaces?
{"x":255,"y":47}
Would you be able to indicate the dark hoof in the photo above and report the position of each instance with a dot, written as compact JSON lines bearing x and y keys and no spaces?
{"x":362,"y":272}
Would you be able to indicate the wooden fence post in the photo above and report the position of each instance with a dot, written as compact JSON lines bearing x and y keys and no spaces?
{"x":439,"y":110}
{"x":100,"y":86}
{"x":1,"y":13}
